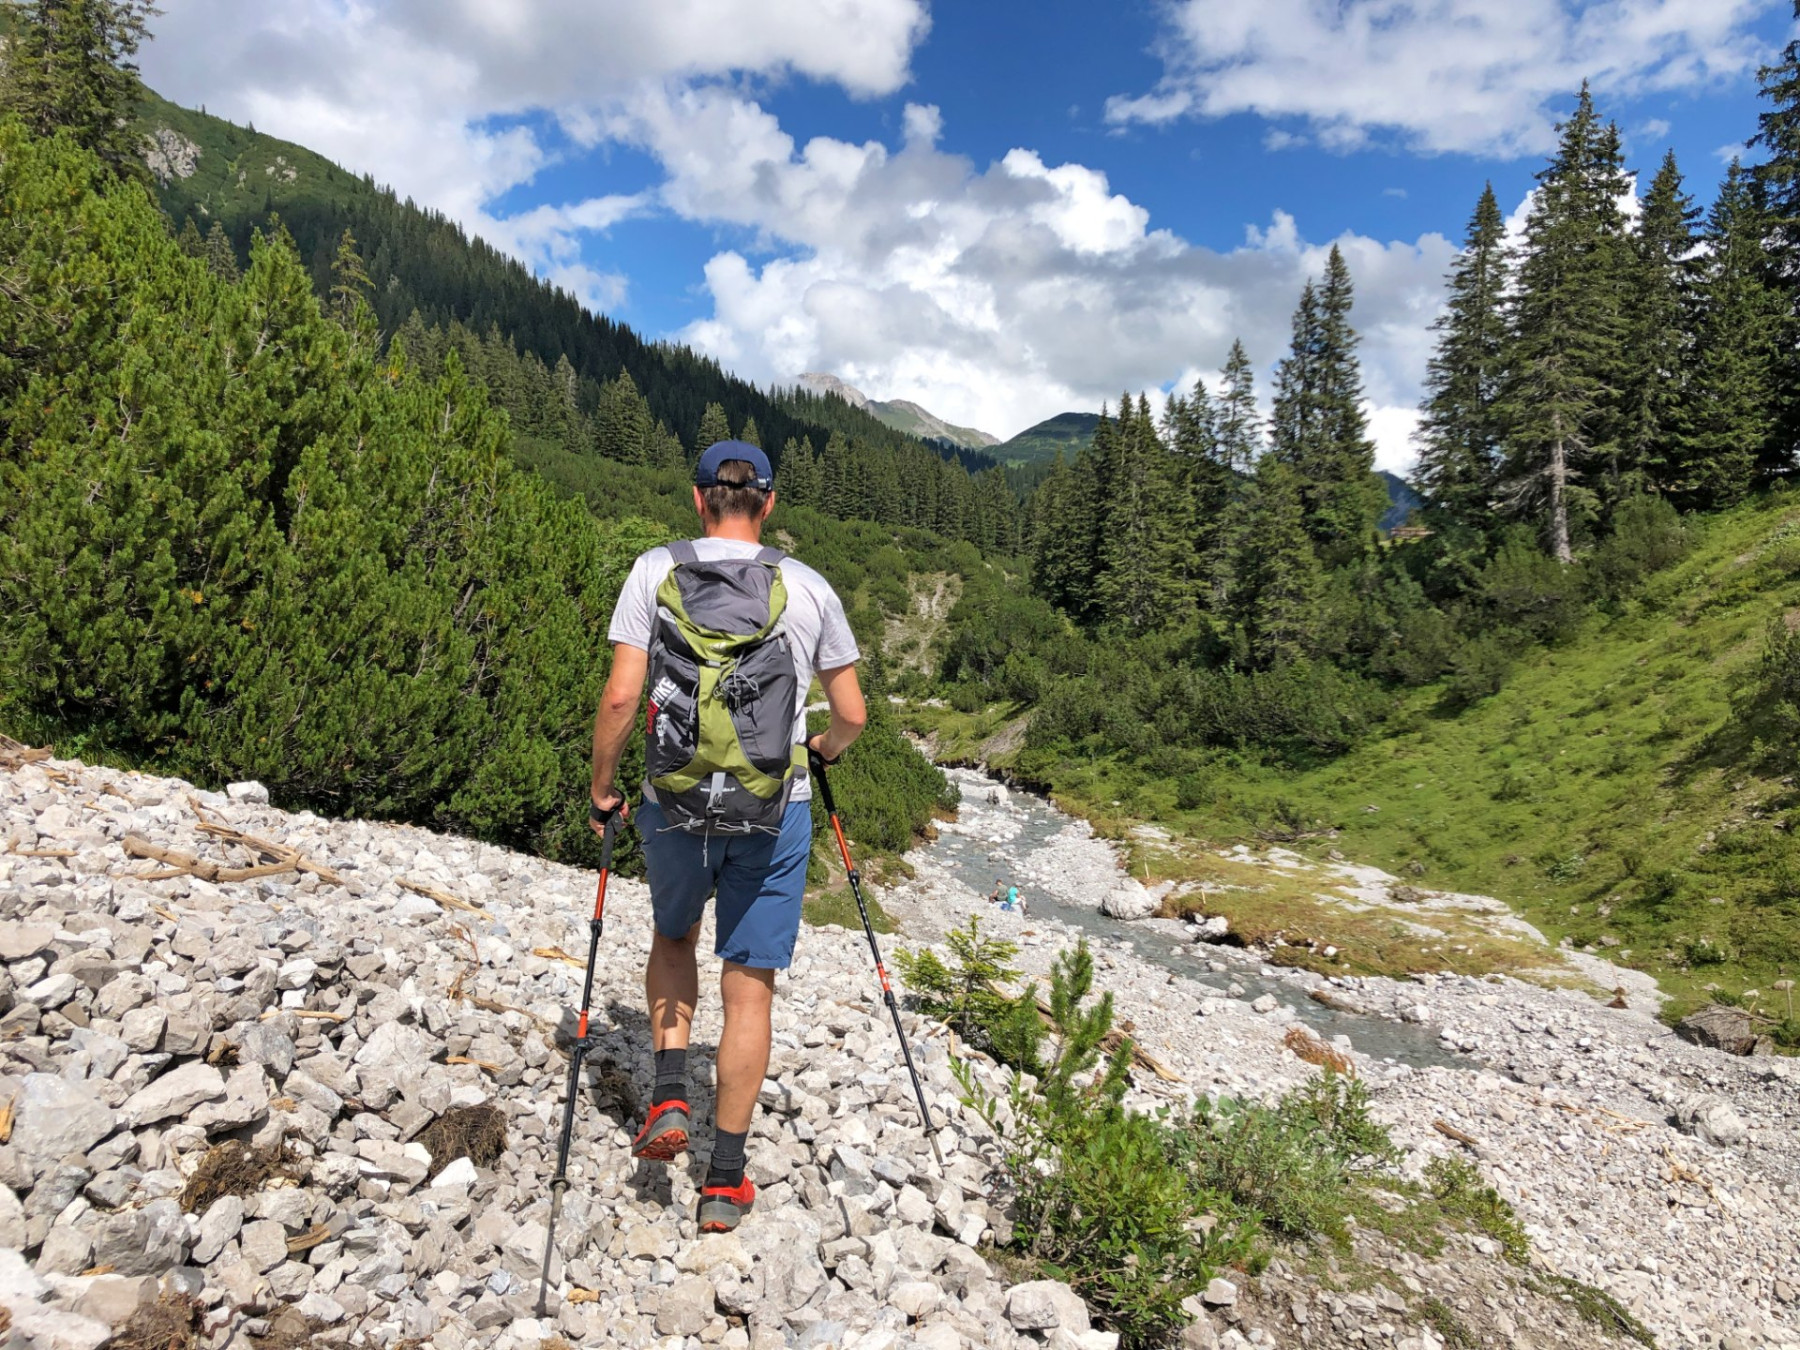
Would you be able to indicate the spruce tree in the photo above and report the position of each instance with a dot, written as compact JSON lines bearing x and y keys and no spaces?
{"x":713,"y":428}
{"x":750,"y":435}
{"x":1777,"y":183}
{"x":1240,"y":428}
{"x":189,"y":239}
{"x":1659,"y":340}
{"x":622,"y":422}
{"x":69,"y":68}
{"x":1319,"y":429}
{"x":1460,"y":430}
{"x":221,"y":257}
{"x":1277,"y":577}
{"x":1558,"y":403}
{"x":1737,"y":356}
{"x":350,"y":291}
{"x":1141,"y":541}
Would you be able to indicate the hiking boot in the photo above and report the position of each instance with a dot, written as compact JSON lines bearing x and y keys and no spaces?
{"x":722,"y":1207}
{"x":665,"y":1133}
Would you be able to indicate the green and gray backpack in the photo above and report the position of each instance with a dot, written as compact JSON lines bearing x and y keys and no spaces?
{"x":719,"y":737}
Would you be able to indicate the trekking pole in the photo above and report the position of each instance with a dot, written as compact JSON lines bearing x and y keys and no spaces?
{"x":577,"y":1052}
{"x":817,"y":764}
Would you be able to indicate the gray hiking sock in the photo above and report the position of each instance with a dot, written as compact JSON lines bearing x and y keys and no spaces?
{"x":671,"y":1075}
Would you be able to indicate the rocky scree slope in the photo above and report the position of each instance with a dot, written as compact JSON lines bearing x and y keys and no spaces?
{"x":350,"y":1011}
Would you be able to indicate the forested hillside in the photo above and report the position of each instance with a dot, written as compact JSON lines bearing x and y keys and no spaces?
{"x":1216,"y":619}
{"x":560,"y":372}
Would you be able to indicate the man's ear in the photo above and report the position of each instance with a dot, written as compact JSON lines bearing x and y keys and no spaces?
{"x":768,"y":505}
{"x":699,"y":504}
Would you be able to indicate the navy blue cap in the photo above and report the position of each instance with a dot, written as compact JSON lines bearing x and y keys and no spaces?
{"x":706,"y":472}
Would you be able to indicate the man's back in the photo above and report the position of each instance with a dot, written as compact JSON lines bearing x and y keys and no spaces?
{"x":818,"y":633}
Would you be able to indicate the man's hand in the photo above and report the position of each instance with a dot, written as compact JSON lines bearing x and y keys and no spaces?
{"x":816,"y":747}
{"x":608,"y":804}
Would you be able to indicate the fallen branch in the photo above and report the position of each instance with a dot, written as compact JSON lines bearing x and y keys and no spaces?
{"x":43,"y":853}
{"x":478,"y":1063}
{"x":1337,"y":1001}
{"x":491,"y":1005}
{"x":186,"y":864}
{"x":558,"y":954}
{"x":1315,"y":1051}
{"x":16,"y":754}
{"x":318,"y":1014}
{"x":1140,"y":1057}
{"x":443,"y":899}
{"x":267,"y":848}
{"x":313,"y":1237}
{"x":6,"y":1119}
{"x":1450,"y":1131}
{"x":579,"y":1295}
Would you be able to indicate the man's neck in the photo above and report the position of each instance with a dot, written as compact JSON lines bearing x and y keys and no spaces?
{"x":744,"y":530}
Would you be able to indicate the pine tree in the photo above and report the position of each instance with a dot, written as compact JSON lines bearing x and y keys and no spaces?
{"x":1460,"y":431}
{"x":1319,"y":429}
{"x":1777,"y":183}
{"x":1276,"y":571}
{"x":713,"y":428}
{"x":69,"y":69}
{"x":750,"y":435}
{"x":1659,"y":339}
{"x":1736,"y":356}
{"x":1240,"y":429}
{"x":1557,"y":406}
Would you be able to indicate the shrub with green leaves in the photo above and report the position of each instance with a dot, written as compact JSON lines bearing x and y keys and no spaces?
{"x":1291,"y":1163}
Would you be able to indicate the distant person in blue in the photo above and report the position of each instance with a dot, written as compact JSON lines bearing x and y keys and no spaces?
{"x":1007,"y":897}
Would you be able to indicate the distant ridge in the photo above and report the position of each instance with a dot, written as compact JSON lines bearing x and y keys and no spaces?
{"x":900,"y":414}
{"x":1068,"y":433}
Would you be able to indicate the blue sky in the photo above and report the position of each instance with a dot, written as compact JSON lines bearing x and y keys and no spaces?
{"x":999,"y":209}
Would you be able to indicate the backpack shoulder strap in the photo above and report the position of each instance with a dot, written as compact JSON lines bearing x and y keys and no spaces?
{"x":683,"y":551}
{"x":774,"y":557}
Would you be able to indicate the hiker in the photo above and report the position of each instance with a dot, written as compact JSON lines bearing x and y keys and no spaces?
{"x":999,"y":886}
{"x":726,"y":812}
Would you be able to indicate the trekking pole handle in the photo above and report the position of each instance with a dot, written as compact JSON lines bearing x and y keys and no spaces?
{"x":815,"y":763}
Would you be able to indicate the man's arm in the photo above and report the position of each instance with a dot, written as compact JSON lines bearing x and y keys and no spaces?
{"x":848,"y":713}
{"x":614,"y":721}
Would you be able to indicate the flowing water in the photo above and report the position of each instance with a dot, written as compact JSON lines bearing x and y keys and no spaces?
{"x":1063,"y":873}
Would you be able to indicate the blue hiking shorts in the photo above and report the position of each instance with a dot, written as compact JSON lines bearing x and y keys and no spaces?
{"x":760,"y":880}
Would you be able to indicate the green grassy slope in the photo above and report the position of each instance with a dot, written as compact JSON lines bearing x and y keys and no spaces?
{"x":238,"y":171}
{"x":1066,"y":433}
{"x":1611,"y":793}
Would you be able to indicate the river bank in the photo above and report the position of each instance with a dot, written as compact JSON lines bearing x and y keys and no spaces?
{"x":1575,"y":1108}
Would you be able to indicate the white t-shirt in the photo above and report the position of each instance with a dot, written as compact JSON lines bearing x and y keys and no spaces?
{"x":818,"y":632}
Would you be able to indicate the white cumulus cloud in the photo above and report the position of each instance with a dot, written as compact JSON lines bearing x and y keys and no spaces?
{"x":1477,"y":76}
{"x":998,"y":295}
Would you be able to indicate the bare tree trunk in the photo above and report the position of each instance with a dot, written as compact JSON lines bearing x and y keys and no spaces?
{"x":1559,"y":507}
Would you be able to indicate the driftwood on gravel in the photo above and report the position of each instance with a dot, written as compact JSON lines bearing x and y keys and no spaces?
{"x":179,"y":864}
